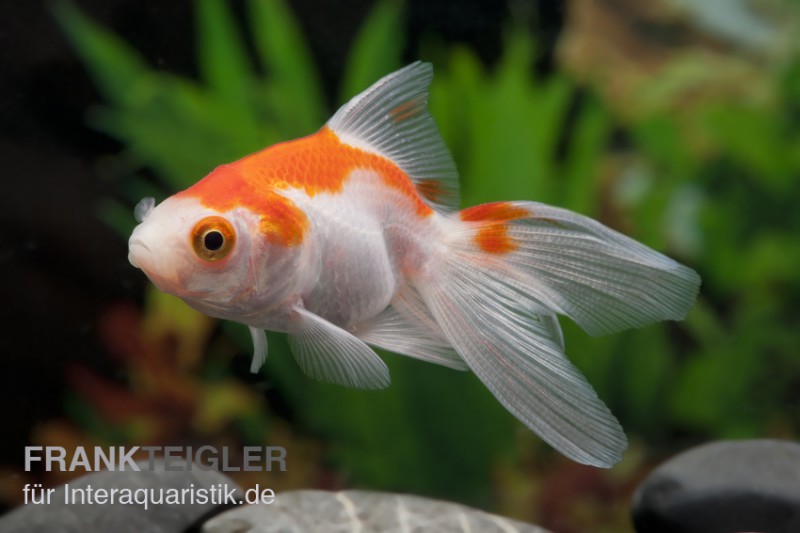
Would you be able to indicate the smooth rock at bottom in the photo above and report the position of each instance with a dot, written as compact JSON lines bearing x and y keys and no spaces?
{"x":311,"y":511}
{"x":723,"y":487}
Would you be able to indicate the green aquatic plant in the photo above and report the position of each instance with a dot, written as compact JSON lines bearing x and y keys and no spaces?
{"x":742,"y":170}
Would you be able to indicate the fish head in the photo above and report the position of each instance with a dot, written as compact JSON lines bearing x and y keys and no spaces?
{"x":194,"y":252}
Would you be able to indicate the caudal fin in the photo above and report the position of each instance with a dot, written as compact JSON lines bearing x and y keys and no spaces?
{"x":509,"y":268}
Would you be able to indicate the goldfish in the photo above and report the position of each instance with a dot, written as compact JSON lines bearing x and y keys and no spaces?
{"x":353,"y":237}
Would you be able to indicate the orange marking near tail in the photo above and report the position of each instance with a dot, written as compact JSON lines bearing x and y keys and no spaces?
{"x":498,"y":211}
{"x":494,"y":239}
{"x":492,"y":235}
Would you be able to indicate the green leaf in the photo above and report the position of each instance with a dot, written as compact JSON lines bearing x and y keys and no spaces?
{"x":756,"y":140}
{"x":222,"y":57}
{"x":294,"y":90}
{"x":458,"y":106}
{"x":586,"y":150}
{"x":511,"y":157}
{"x":118,"y":71}
{"x":376,"y":49}
{"x":180,"y":131}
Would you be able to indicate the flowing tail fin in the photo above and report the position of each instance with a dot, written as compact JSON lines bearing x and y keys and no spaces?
{"x":508,"y":269}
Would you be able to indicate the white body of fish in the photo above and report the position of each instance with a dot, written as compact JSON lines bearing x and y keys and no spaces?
{"x":352,"y":237}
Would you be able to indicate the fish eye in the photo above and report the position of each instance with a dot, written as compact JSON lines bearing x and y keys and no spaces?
{"x":213,"y":238}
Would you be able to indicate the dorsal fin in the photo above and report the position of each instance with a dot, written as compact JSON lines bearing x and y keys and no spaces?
{"x":391,"y":119}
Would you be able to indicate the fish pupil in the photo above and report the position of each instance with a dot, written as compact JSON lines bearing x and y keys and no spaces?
{"x":213,"y":240}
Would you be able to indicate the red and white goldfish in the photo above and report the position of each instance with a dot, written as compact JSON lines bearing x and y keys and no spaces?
{"x":351,"y":237}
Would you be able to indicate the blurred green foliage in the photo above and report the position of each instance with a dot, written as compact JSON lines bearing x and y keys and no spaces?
{"x":740,"y":379}
{"x":725,"y":204}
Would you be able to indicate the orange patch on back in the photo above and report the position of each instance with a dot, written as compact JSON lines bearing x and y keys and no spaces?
{"x":319,"y":163}
{"x":492,"y":235}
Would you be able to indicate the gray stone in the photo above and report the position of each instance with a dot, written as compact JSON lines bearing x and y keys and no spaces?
{"x":310,"y":511}
{"x":729,"y":486}
{"x":58,"y":515}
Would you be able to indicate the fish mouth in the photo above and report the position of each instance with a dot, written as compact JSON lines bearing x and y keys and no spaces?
{"x":165,"y":279}
{"x":142,"y":257}
{"x":136,"y":243}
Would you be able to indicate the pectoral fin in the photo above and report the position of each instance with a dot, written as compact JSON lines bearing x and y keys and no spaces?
{"x":328,"y":353}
